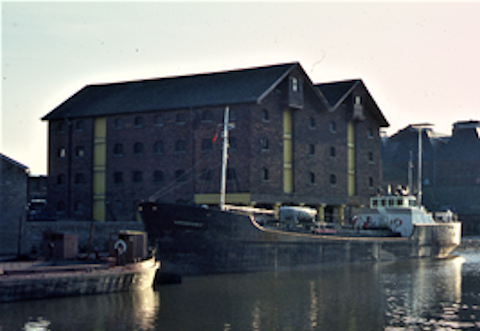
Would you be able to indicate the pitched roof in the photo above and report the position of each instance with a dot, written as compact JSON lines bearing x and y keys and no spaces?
{"x":12,"y":161}
{"x":334,"y":93}
{"x":210,"y":89}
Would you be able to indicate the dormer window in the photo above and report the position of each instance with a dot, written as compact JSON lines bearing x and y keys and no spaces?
{"x":294,"y":82}
{"x":358,"y":100}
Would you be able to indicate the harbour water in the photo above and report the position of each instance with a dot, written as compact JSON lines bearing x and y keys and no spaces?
{"x":408,"y":295}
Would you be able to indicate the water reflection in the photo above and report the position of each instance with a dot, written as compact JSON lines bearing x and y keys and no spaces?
{"x":411,"y":295}
{"x":118,"y":311}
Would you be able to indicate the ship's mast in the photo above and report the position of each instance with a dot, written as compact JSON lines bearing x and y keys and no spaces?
{"x":419,"y":128}
{"x":223,"y":183}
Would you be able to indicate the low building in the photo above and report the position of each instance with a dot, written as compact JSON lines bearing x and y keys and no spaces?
{"x":293,"y":142}
{"x":13,"y":203}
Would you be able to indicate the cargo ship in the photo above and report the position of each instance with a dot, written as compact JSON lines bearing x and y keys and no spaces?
{"x":193,"y":239}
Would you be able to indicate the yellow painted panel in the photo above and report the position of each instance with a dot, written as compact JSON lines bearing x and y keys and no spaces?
{"x":99,"y":168}
{"x":99,"y":209}
{"x":351,"y":158}
{"x":287,"y":151}
{"x":287,"y":180}
{"x":214,"y":199}
{"x":100,"y":127}
{"x":287,"y":121}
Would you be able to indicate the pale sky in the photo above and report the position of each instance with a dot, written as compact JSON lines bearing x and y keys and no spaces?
{"x":420,"y":61}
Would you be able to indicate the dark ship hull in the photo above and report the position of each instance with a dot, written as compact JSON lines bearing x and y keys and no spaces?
{"x":195,"y":240}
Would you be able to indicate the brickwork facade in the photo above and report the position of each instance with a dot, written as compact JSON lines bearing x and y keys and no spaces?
{"x":174,"y":155}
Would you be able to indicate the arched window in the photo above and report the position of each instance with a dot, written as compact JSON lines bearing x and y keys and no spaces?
{"x":264,"y":144}
{"x":61,"y":127}
{"x":333,"y":179}
{"x":78,"y":207}
{"x":333,"y":152}
{"x":180,"y":118}
{"x":158,"y":176}
{"x":265,"y":175}
{"x":79,"y":126}
{"x":118,"y":177}
{"x":265,"y":116}
{"x":61,"y":179}
{"x":118,"y":123}
{"x":180,"y":175}
{"x":312,"y":178}
{"x":138,"y":148}
{"x":138,"y":121}
{"x":311,"y":123}
{"x":180,"y":146}
{"x":62,"y":152}
{"x":158,"y":147}
{"x":79,"y":178}
{"x":332,"y":127}
{"x":158,"y":120}
{"x":207,"y":115}
{"x":61,"y":206}
{"x":137,"y":176}
{"x":79,"y":151}
{"x":370,"y":182}
{"x":311,"y":149}
{"x":118,"y":149}
{"x":370,"y":157}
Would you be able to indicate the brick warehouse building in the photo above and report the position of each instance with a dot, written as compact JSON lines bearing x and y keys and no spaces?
{"x":113,"y":145}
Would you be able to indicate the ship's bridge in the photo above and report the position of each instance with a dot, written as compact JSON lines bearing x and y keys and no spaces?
{"x":393,"y":201}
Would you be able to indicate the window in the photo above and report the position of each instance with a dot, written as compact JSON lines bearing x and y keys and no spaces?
{"x":78,"y":207}
{"x":232,"y":115}
{"x":333,"y":179}
{"x":61,"y":179}
{"x":332,"y":127}
{"x":79,"y":126}
{"x":180,"y":175}
{"x":294,"y":84}
{"x":61,"y":127}
{"x":265,"y":175}
{"x":312,"y":178}
{"x":369,"y":133}
{"x":62,"y":152}
{"x":61,"y":206}
{"x":158,"y":176}
{"x":333,"y":152}
{"x":180,"y":118}
{"x":118,"y":149}
{"x":311,"y":150}
{"x":138,"y":122}
{"x":207,"y":145}
{"x":118,"y":177}
{"x":119,"y":205}
{"x":206,"y":175}
{"x":264,"y":144}
{"x":158,"y":147}
{"x":370,"y":157}
{"x":358,"y":100}
{"x":311,"y":123}
{"x":232,"y":143}
{"x":370,"y":182}
{"x":137,"y":176}
{"x":138,"y":148}
{"x":207,"y":115}
{"x":265,"y":116}
{"x":118,"y":124}
{"x":79,"y":178}
{"x":180,"y":146}
{"x":158,"y":120}
{"x":79,"y":151}
{"x":231,"y":174}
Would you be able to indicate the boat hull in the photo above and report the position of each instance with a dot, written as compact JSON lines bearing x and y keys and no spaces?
{"x":49,"y":282}
{"x":195,"y":240}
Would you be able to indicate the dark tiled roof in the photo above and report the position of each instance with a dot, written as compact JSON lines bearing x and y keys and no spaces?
{"x":12,"y":161}
{"x":221,"y":88}
{"x":335,"y":92}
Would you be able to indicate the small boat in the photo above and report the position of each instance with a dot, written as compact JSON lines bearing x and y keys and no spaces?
{"x":48,"y":279}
